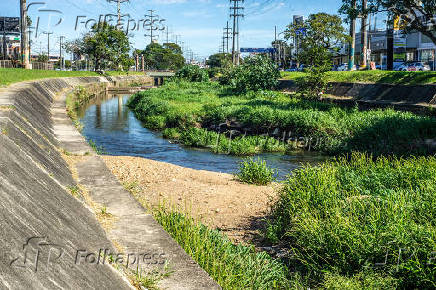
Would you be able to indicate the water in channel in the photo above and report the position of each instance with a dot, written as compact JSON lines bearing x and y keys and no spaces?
{"x":112,"y":126}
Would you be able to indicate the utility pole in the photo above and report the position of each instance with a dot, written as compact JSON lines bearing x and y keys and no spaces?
{"x":142,"y":62}
{"x":353,"y":40}
{"x":390,"y":44}
{"x":275,"y":45}
{"x":30,"y":46}
{"x":5,"y":52}
{"x":223,"y":46}
{"x":118,"y":10}
{"x":48,"y":45}
{"x":152,"y":19}
{"x":227,"y":33}
{"x":167,"y":35}
{"x":24,"y":40}
{"x":235,"y":13}
{"x":61,"y":59}
{"x":364,"y":35}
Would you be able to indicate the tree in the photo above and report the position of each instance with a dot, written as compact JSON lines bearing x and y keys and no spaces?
{"x":219,"y":60}
{"x":255,"y":74}
{"x":105,"y":45}
{"x":320,"y":36}
{"x":168,"y":56}
{"x":416,"y":15}
{"x":42,"y":58}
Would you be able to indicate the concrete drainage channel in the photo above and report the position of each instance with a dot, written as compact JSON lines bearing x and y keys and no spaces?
{"x":50,"y":231}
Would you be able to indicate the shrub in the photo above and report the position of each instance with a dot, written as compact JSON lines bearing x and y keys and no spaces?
{"x":256,"y":171}
{"x":315,"y":83}
{"x":350,"y":215}
{"x":193,"y":73}
{"x":257,"y":73}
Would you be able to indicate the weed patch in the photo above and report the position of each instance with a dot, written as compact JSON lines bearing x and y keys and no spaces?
{"x":357,"y":216}
{"x":256,"y":171}
{"x":231,"y":266}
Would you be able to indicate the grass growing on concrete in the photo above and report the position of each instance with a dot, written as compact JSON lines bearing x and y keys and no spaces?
{"x":377,"y":76}
{"x":356,"y":217}
{"x":231,"y":266}
{"x":256,"y":171}
{"x":12,"y":75}
{"x":327,"y":127}
{"x":97,"y":149}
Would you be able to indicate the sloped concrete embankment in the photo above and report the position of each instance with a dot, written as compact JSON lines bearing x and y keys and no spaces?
{"x":417,"y":98}
{"x":49,"y":239}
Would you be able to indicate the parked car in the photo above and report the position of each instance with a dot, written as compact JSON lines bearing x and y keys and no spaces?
{"x":413,"y":66}
{"x":293,"y":68}
{"x":344,"y":67}
{"x":421,"y":66}
{"x":381,"y":66}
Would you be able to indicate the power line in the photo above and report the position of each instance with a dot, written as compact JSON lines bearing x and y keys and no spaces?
{"x":226,"y":37}
{"x":48,"y":44}
{"x":61,"y":59}
{"x":235,"y":14}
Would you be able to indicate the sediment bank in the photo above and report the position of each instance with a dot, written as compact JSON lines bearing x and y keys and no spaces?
{"x":216,"y":199}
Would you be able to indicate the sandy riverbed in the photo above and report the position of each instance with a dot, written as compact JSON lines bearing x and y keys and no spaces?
{"x":217,"y":199}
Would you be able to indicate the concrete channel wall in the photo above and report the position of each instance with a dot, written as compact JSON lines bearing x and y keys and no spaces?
{"x":417,"y":98}
{"x":44,"y":230}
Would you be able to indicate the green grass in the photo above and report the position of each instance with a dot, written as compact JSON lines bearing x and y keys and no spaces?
{"x":223,"y":144}
{"x":351,"y":216}
{"x":181,"y":108}
{"x":11,"y":75}
{"x":256,"y":171}
{"x":378,"y":76}
{"x":231,"y":266}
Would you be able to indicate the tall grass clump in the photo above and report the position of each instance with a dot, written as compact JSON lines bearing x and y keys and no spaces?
{"x":355,"y":215}
{"x":256,"y":171}
{"x":231,"y":266}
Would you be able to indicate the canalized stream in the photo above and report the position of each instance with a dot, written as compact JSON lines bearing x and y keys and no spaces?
{"x":110,"y":124}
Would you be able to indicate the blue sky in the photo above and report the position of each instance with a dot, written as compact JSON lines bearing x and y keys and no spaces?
{"x":200,"y":22}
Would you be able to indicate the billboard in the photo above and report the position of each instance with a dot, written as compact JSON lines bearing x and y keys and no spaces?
{"x":400,"y":41}
{"x":258,"y":50}
{"x":9,"y":25}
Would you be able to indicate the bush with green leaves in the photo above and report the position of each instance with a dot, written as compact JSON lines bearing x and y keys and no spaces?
{"x":193,"y":73}
{"x":357,"y":214}
{"x":256,"y":171}
{"x":255,"y":74}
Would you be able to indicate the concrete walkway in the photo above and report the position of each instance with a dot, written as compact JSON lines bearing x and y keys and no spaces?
{"x":134,"y":231}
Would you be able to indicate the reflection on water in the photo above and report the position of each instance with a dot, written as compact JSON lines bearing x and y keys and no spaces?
{"x":110,"y":124}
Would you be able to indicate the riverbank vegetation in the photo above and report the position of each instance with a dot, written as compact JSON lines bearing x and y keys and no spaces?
{"x":15,"y":75}
{"x":358,"y":216}
{"x":231,"y":266}
{"x":376,"y":76}
{"x":199,"y":114}
{"x":255,"y":171}
{"x":362,"y":221}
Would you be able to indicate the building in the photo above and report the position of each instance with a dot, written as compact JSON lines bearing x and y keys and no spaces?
{"x":418,"y":48}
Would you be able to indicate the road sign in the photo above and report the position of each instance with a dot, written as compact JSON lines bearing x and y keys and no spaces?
{"x":10,"y":24}
{"x":258,"y":50}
